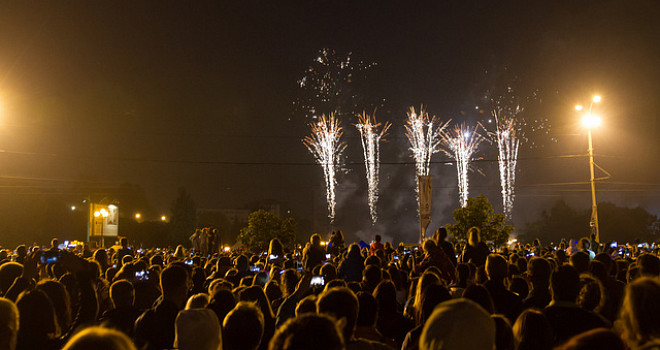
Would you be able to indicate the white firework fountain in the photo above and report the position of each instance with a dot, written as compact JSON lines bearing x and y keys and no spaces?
{"x":326,"y":146}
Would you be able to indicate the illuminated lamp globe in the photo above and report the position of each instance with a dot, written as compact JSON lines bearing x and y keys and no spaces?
{"x":591,"y":121}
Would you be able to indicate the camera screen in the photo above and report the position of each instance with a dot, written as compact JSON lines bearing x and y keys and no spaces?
{"x":141,"y":275}
{"x":317,"y":281}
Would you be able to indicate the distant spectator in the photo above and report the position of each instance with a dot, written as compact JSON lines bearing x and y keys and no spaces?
{"x":475,"y":251}
{"x":532,"y":331}
{"x":440,"y":238}
{"x":155,"y":328}
{"x":505,"y":301}
{"x":458,"y":324}
{"x":197,"y":329}
{"x":580,"y":261}
{"x":538,"y":272}
{"x":639,"y":321}
{"x":99,"y":339}
{"x":599,"y":338}
{"x":435,"y":256}
{"x":342,"y":304}
{"x":309,"y":331}
{"x":197,"y":301}
{"x":376,"y":245}
{"x":123,"y":314}
{"x":243,"y":327}
{"x":480,"y":295}
{"x":351,"y":268}
{"x":313,"y":254}
{"x":565,"y":316}
{"x":503,"y":333}
{"x":8,"y":324}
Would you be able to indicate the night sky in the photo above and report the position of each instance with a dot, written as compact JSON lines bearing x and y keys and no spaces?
{"x":201,"y":95}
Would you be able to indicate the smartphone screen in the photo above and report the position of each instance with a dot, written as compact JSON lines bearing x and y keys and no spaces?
{"x":49,"y":258}
{"x":317,"y":281}
{"x":141,"y":275}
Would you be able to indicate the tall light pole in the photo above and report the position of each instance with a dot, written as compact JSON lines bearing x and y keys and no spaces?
{"x":591,"y":121}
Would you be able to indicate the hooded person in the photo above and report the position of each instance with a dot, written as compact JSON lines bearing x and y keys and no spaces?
{"x":458,"y":324}
{"x":197,"y":329}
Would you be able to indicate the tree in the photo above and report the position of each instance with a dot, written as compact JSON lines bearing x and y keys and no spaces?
{"x":264,"y":226}
{"x":184,"y":217}
{"x":616,"y":223}
{"x":479,"y":213}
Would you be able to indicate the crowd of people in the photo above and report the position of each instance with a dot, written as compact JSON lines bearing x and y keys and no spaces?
{"x":437,"y":295}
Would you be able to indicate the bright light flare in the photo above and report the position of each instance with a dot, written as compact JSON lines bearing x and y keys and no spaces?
{"x":596,"y":99}
{"x":138,"y":215}
{"x":591,"y":121}
{"x":371,"y":133}
{"x":163,"y":218}
{"x":578,"y":107}
{"x":326,"y":146}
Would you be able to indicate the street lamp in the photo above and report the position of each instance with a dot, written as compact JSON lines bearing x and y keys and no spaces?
{"x":163,"y":218}
{"x":138,"y":216}
{"x":591,"y":121}
{"x":103,"y":214}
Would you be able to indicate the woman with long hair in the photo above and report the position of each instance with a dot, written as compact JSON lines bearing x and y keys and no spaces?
{"x":476,"y":251}
{"x":638,"y":321}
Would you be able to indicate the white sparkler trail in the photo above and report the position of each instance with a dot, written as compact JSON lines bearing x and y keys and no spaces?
{"x":371,"y":136}
{"x":507,"y":145}
{"x":461,"y":143}
{"x":326,"y":146}
{"x":424,"y":134}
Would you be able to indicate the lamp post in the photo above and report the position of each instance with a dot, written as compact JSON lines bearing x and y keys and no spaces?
{"x":591,"y":121}
{"x":102,"y":214}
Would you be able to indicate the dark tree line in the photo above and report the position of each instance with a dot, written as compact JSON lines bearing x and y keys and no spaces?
{"x":621,"y":224}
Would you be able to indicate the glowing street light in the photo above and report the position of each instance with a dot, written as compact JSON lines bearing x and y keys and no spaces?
{"x":101,"y":214}
{"x":137,"y":216}
{"x":591,"y":121}
{"x":73,"y":207}
{"x":163,"y":218}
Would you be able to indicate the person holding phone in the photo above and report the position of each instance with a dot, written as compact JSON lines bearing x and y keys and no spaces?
{"x":275,"y":253}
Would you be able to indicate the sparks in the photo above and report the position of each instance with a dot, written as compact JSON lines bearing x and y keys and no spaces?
{"x":326,"y":146}
{"x":507,"y":146}
{"x":460,"y":144}
{"x":424,"y":137}
{"x":371,"y":134}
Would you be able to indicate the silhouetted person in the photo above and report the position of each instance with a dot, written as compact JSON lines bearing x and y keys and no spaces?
{"x":565,"y":316}
{"x":155,"y":327}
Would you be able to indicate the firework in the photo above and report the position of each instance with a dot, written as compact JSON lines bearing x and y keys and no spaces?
{"x":371,"y":133}
{"x":424,"y":134}
{"x":332,"y":82}
{"x":461,"y":143}
{"x":507,"y":146}
{"x":326,"y":146}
